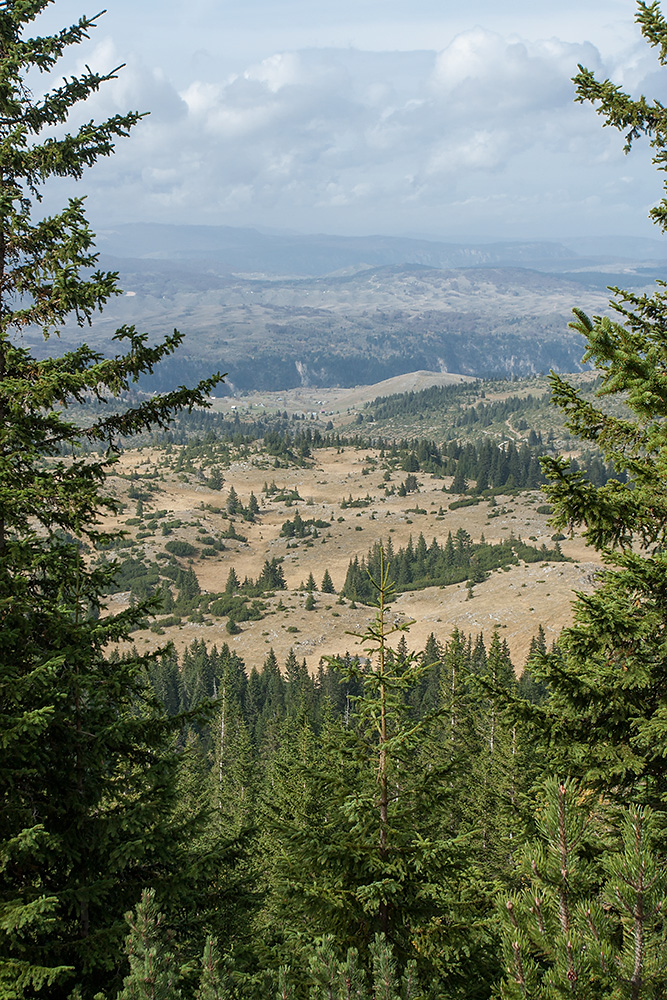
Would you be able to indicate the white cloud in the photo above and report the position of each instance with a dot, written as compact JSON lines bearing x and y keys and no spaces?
{"x":479,"y":137}
{"x":277,"y":71}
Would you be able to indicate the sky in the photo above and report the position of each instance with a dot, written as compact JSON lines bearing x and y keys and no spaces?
{"x":434,"y":119}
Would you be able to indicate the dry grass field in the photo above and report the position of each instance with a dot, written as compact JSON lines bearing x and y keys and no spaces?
{"x":516,"y":599}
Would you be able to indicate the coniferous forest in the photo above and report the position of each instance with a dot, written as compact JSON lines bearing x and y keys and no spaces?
{"x":400,"y":825}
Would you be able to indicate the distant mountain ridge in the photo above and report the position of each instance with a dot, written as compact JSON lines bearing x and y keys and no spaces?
{"x":279,"y":311}
{"x":249,"y":250}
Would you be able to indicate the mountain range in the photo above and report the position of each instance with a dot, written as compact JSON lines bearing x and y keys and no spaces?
{"x":278,"y":310}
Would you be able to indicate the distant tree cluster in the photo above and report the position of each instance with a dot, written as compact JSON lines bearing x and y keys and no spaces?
{"x":421,"y":565}
{"x":486,"y":463}
{"x":299,"y":527}
{"x":441,"y":398}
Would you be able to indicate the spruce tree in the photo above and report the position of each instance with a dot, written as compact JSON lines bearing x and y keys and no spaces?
{"x":253,"y":507}
{"x":499,"y":769}
{"x":372,"y":851}
{"x":608,"y":706}
{"x":231,"y":776}
{"x":459,"y":482}
{"x":215,"y":479}
{"x":234,"y":505}
{"x":300,"y":689}
{"x":87,"y":773}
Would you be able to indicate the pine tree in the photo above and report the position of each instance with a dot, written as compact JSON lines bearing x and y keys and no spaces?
{"x":253,"y":507}
{"x":327,"y":584}
{"x":332,"y":978}
{"x":153,"y":967}
{"x":86,"y":752}
{"x":459,"y":482}
{"x":635,"y":896}
{"x":210,"y":986}
{"x":582,"y":929}
{"x":215,"y":479}
{"x":152,"y":973}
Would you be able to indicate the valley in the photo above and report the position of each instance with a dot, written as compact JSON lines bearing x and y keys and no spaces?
{"x":172,"y":500}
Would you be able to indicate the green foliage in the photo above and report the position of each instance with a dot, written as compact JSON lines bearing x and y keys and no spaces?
{"x":181,"y":548}
{"x":215,"y":479}
{"x":252,"y":509}
{"x":456,"y":397}
{"x":547,"y":927}
{"x":359,"y":502}
{"x":635,"y":892}
{"x":373,"y":822}
{"x":237,"y":606}
{"x":272,"y":576}
{"x":286,"y":496}
{"x":365,"y":817}
{"x":88,"y":758}
{"x":581,"y":930}
{"x":634,"y":117}
{"x":421,"y":565}
{"x":459,"y":482}
{"x":210,"y":985}
{"x":331,"y":978}
{"x":233,"y":505}
{"x":231,"y":532}
{"x":299,"y":527}
{"x":608,"y":683}
{"x":152,"y":973}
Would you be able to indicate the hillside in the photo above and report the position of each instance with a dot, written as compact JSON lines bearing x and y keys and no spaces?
{"x":263,"y":309}
{"x":186,"y":498}
{"x":517,"y":600}
{"x":352,"y":329}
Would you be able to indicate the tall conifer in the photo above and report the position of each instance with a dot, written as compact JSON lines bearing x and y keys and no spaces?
{"x":373,"y":852}
{"x":606,"y":716}
{"x":87,"y":774}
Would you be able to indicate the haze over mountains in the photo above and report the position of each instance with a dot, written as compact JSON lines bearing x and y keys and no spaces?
{"x":284,"y":253}
{"x":280,"y":310}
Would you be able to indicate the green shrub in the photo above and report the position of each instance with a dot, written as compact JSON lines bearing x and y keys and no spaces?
{"x":180,"y":548}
